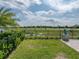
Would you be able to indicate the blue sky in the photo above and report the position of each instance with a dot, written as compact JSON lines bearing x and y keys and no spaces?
{"x":44,"y":12}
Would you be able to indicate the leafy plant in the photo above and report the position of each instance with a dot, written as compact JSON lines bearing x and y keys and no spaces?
{"x":7,"y":17}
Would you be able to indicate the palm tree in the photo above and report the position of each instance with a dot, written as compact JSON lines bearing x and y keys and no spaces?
{"x":7,"y":17}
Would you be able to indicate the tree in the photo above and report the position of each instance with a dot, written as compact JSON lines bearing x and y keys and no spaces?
{"x":7,"y":17}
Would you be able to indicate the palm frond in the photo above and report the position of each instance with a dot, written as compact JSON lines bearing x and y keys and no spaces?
{"x":6,"y":17}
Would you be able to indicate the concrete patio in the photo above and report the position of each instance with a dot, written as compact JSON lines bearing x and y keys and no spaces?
{"x":73,"y":43}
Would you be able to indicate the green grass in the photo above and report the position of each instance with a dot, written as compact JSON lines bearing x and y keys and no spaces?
{"x":43,"y":49}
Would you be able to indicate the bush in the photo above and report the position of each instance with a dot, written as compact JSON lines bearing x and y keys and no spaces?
{"x":9,"y":40}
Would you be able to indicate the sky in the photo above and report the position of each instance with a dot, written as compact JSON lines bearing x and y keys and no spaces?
{"x":44,"y":12}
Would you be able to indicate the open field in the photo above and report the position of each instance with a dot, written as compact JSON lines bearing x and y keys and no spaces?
{"x":51,"y":33}
{"x":43,"y":49}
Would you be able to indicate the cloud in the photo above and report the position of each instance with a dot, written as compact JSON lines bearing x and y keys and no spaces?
{"x":29,"y":2}
{"x":33,"y":20}
{"x":36,"y":1}
{"x":62,"y":7}
{"x":45,"y":13}
{"x":67,"y":21}
{"x":39,"y":18}
{"x":20,"y":4}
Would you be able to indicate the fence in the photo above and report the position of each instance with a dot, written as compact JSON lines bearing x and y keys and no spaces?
{"x":50,"y":33}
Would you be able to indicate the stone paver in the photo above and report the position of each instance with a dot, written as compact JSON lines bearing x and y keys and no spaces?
{"x":73,"y":44}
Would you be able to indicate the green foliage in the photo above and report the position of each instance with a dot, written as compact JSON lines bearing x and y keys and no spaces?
{"x":1,"y":55}
{"x":9,"y":40}
{"x":7,"y":17}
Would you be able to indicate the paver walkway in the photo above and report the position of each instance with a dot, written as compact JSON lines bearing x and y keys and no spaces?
{"x":73,"y":44}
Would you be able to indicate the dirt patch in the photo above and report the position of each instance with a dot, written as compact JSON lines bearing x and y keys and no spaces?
{"x":38,"y":46}
{"x":30,"y":46}
{"x":61,"y":56}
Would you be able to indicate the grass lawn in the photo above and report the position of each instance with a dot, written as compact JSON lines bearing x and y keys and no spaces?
{"x":43,"y":49}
